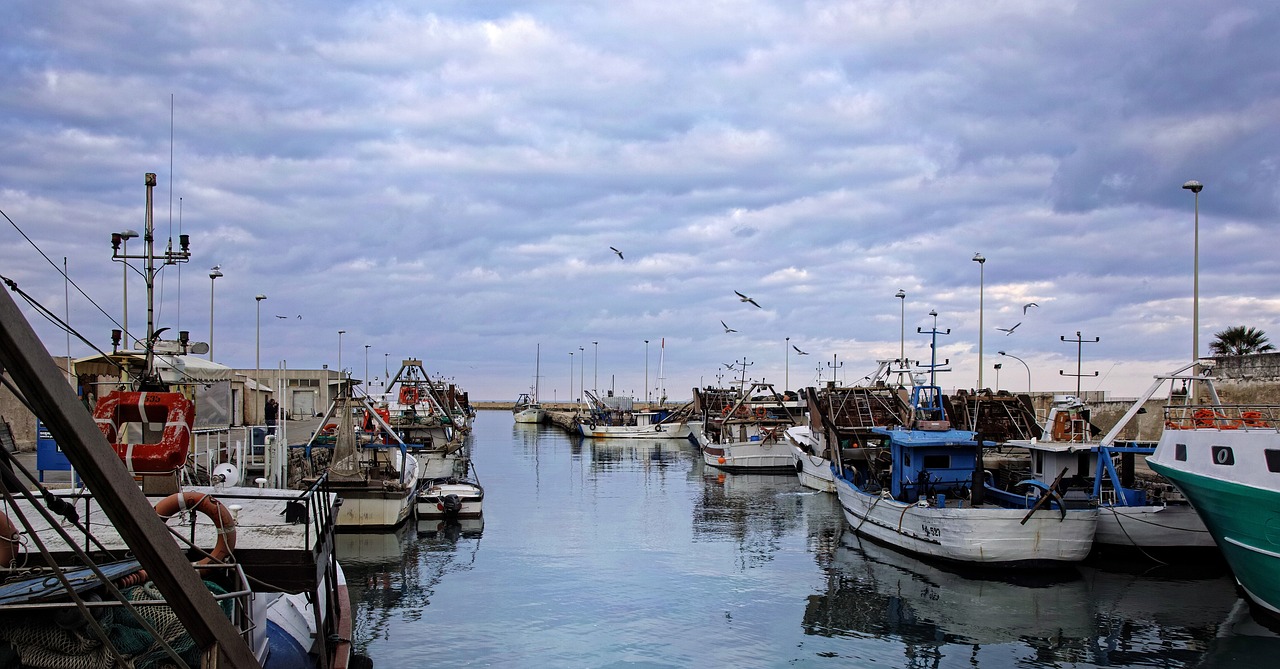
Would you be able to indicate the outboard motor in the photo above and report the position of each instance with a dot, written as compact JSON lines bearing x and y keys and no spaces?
{"x":451,"y":504}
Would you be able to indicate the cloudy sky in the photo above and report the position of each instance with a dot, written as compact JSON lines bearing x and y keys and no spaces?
{"x":444,"y":180}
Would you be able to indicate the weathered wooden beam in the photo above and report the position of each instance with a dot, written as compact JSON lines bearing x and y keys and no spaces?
{"x":30,"y":366}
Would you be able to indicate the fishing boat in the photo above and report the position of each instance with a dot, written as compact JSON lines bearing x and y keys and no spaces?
{"x":1137,"y":510}
{"x":419,"y":415}
{"x":617,"y":418}
{"x":748,"y":435}
{"x":920,"y":489}
{"x":1226,"y":460}
{"x":527,"y":409}
{"x":450,"y":498}
{"x":843,"y":417}
{"x":373,"y":471}
{"x":183,"y":574}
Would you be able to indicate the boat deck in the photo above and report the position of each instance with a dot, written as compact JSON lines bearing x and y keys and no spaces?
{"x":285,"y":549}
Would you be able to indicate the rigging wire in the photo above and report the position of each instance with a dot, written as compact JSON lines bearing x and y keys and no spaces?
{"x":55,"y":266}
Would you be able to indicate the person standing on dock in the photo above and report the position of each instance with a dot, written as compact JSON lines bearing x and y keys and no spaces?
{"x":271,"y":411}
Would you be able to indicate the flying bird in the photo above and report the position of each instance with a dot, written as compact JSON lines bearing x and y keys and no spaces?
{"x":215,"y":268}
{"x":1028,"y":306}
{"x":798,"y":350}
{"x":617,"y":252}
{"x":279,"y":316}
{"x":744,"y":298}
{"x":299,"y":316}
{"x":1009,"y":331}
{"x":727,"y":328}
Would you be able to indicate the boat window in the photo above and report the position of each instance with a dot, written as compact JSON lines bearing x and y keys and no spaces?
{"x":1180,"y":452}
{"x":1222,"y":455}
{"x":937,"y":462}
{"x":1273,"y":460}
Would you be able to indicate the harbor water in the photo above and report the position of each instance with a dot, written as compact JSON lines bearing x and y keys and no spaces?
{"x":627,"y":553}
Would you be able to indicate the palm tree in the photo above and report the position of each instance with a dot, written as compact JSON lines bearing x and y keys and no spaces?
{"x":1240,"y":340}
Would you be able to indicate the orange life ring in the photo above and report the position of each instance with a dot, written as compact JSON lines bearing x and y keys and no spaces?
{"x":223,"y":521}
{"x":173,"y":409}
{"x":760,"y":413}
{"x":8,"y":541}
{"x":1254,"y":419}
{"x":408,"y":394}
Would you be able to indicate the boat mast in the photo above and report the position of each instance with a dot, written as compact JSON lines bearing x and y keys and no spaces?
{"x":537,"y":372}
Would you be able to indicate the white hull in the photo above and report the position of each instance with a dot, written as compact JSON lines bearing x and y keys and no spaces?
{"x":531,"y":415}
{"x":814,"y":471}
{"x":373,"y":510}
{"x":659,"y":431}
{"x":1173,"y":526}
{"x":470,"y":495}
{"x":979,"y":536}
{"x":761,"y":457}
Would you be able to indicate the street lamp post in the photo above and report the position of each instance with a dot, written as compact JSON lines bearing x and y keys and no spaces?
{"x":997,"y":366}
{"x":124,"y":239}
{"x":595,"y":370}
{"x":365,"y":380}
{"x":257,"y":352}
{"x":1195,"y":187}
{"x":978,"y":258}
{"x":582,"y":364}
{"x":340,"y":333}
{"x":213,"y":275}
{"x":902,"y":327}
{"x":571,"y":376}
{"x":786,"y":379}
{"x":1024,"y":364}
{"x":646,"y":372}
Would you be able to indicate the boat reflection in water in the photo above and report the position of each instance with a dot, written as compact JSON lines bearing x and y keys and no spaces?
{"x":609,"y":454}
{"x":759,"y":511}
{"x":1086,"y":614}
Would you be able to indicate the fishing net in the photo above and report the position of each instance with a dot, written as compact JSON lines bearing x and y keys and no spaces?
{"x":62,"y":639}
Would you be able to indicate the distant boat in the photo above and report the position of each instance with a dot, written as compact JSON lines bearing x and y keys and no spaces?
{"x":746,"y":432}
{"x":617,"y":418}
{"x":1226,"y":460}
{"x":450,"y":498}
{"x":527,"y":409}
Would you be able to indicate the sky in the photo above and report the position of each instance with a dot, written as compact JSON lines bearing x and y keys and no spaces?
{"x":445,"y":180}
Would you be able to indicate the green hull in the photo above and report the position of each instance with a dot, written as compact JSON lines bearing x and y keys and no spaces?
{"x":1245,"y":522}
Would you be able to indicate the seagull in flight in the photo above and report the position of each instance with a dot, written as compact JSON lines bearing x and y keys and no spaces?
{"x":279,"y":316}
{"x":617,"y":252}
{"x":744,"y":298}
{"x":797,"y":348}
{"x":1009,"y":331}
{"x":727,"y":328}
{"x":215,"y":268}
{"x":1027,"y":306}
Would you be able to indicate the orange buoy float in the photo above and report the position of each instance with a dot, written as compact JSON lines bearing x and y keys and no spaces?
{"x":223,"y":520}
{"x":174,"y":410}
{"x":408,"y":394}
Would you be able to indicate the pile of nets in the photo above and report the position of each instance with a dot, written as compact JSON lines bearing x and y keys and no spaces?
{"x":62,"y":639}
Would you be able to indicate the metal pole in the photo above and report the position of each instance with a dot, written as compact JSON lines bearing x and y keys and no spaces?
{"x":786,"y":381}
{"x":213,"y":275}
{"x":646,"y":371}
{"x":340,"y":333}
{"x":257,"y":354}
{"x":982,"y":263}
{"x":581,"y":368}
{"x":1195,"y":187}
{"x":902,"y":326}
{"x":595,"y":370}
{"x":1024,"y":364}
{"x":571,"y":376}
{"x":366,"y":369}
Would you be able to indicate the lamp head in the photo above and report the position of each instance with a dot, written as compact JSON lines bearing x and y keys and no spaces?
{"x":933,"y":312}
{"x":259,"y":297}
{"x":215,"y":274}
{"x":1000,"y":352}
{"x":978,"y":258}
{"x":342,"y":331}
{"x":1193,"y":186}
{"x":901,"y":295}
{"x":132,"y":234}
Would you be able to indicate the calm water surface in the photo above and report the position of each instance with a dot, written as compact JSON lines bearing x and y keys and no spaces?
{"x":632,"y":554}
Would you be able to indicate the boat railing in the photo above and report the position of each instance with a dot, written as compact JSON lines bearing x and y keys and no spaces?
{"x":1222,"y":416}
{"x":253,"y":449}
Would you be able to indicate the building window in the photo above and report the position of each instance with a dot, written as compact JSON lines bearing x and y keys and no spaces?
{"x":1273,"y":460}
{"x":1222,"y":455}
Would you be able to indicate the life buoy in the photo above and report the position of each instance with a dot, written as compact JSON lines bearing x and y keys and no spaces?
{"x":173,"y":409}
{"x":223,"y":521}
{"x":8,"y":541}
{"x":408,"y":394}
{"x":1211,"y":418}
{"x":1254,"y":419}
{"x":760,"y":413}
